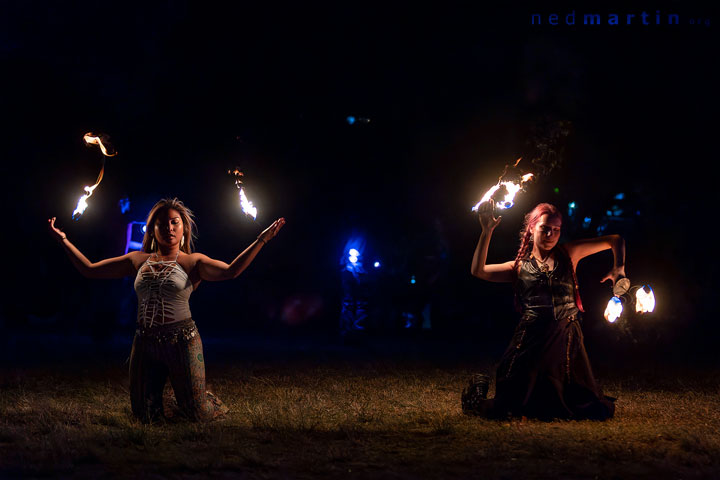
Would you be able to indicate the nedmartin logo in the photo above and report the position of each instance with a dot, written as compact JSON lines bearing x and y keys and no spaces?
{"x":616,"y":19}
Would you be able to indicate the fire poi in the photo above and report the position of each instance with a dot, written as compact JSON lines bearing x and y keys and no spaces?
{"x":504,"y":191}
{"x":643,"y":298}
{"x":247,"y":206}
{"x":107,"y":151}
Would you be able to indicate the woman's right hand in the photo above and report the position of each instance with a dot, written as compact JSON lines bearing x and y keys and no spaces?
{"x":488,"y":222}
{"x":55,"y":232}
{"x":270,"y":232}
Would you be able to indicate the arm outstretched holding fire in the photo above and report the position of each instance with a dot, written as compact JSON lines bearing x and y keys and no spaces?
{"x":167,"y":272}
{"x":545,"y":371}
{"x":539,"y":236}
{"x":168,"y":236}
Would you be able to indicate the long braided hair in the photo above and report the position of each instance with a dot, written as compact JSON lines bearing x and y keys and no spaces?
{"x":526,"y":235}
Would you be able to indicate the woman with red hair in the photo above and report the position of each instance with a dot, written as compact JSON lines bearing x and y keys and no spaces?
{"x":545,"y":371}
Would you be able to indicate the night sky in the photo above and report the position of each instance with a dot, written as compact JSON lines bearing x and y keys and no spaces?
{"x":187,"y":90}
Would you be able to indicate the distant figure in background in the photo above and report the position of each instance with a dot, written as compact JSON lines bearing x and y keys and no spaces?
{"x":355,"y":295}
{"x":545,"y":371}
{"x":166,"y":341}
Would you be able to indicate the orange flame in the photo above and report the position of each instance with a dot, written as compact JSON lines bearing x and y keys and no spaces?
{"x":247,"y":206}
{"x":107,"y":151}
{"x":512,"y":188}
{"x":92,"y":139}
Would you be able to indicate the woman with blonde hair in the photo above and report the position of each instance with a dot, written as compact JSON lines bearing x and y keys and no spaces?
{"x":167,"y":343}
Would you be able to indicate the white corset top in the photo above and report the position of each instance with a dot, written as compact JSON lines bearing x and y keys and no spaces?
{"x":163,"y":289}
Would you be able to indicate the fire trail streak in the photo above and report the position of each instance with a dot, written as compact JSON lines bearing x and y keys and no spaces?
{"x":107,"y":151}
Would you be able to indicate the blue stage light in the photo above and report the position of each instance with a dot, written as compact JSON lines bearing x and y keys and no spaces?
{"x":619,"y":196}
{"x":353,"y":255}
{"x":376,"y":265}
{"x":412,"y":280}
{"x":134,"y":236}
{"x":352,"y":120}
{"x":124,"y":205}
{"x":352,"y":258}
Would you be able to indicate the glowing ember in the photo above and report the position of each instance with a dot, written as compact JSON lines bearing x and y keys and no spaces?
{"x":107,"y":151}
{"x":613,"y":310}
{"x":644,"y":300}
{"x":247,"y":206}
{"x":510,"y":189}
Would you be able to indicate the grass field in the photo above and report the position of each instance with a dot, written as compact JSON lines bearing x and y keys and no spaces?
{"x":358,"y":418}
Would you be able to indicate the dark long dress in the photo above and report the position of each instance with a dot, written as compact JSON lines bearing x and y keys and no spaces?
{"x":545,"y":372}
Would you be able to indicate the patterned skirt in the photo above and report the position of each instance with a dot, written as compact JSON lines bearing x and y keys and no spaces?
{"x":173,"y":352}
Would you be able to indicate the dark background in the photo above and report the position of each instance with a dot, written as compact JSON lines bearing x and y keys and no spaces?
{"x":187,"y":90}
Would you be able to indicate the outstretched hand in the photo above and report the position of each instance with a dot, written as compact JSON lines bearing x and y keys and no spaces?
{"x":614,"y":275}
{"x":272,"y":230}
{"x":55,"y":232}
{"x":486,"y":215}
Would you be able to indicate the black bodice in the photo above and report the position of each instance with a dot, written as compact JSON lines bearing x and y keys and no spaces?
{"x":542,"y":293}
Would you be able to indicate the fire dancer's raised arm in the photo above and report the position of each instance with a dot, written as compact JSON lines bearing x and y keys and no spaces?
{"x":545,"y":371}
{"x":579,"y":249}
{"x":501,"y":272}
{"x":116,"y":267}
{"x":215,"y":270}
{"x":167,"y":342}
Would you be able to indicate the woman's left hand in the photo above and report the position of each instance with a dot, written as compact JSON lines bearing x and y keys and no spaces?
{"x":272,"y":230}
{"x":615,"y":274}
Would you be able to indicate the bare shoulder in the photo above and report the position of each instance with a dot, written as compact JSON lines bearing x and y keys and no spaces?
{"x":137,"y":258}
{"x":193,"y":263}
{"x":190,"y":260}
{"x":194,"y":257}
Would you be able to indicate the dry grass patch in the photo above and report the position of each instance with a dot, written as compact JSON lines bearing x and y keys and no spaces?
{"x":373,"y":420}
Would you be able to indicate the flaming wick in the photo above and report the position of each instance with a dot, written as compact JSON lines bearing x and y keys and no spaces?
{"x":247,"y":206}
{"x":91,"y":139}
{"x":510,"y":189}
{"x":613,"y":310}
{"x":644,"y":299}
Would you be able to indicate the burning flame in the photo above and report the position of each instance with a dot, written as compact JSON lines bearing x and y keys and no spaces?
{"x":247,"y":206}
{"x":91,"y":139}
{"x":82,"y":203}
{"x":644,"y":300}
{"x":510,"y":188}
{"x":613,"y":310}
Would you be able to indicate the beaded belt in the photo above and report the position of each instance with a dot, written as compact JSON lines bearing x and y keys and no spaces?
{"x":171,"y":333}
